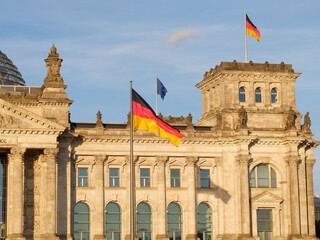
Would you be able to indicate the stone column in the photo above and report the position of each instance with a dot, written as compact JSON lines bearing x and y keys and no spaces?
{"x":242,"y":162}
{"x":191,"y":218}
{"x":294,"y":196}
{"x":98,"y":214}
{"x":50,"y":196}
{"x":161,"y":231}
{"x":15,"y":194}
{"x":310,"y":195}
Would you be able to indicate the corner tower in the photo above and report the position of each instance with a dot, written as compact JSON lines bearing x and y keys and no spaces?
{"x":266,"y":91}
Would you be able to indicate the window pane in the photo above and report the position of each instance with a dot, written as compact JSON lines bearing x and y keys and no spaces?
{"x":143,"y":221}
{"x":262,"y":172}
{"x":274,"y":95}
{"x":81,"y":219}
{"x":114,"y":180}
{"x":175,"y":177}
{"x":113,"y":221}
{"x":258,"y":95}
{"x":82,"y":177}
{"x":242,"y":94}
{"x":253,"y":178}
{"x":144,"y":177}
{"x":204,"y":178}
{"x":273,"y":178}
{"x":174,"y":220}
{"x":204,"y":221}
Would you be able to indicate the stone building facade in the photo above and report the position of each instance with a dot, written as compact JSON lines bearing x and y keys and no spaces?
{"x":244,"y":171}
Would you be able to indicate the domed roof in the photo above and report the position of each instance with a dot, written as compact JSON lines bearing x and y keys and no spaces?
{"x":9,"y":73}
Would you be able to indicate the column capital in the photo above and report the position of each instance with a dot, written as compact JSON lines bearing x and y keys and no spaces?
{"x":161,"y":160}
{"x":242,"y":159}
{"x":310,"y":162}
{"x":18,"y":151}
{"x":51,"y":152}
{"x":292,"y":161}
{"x":191,"y":161}
{"x":100,"y":159}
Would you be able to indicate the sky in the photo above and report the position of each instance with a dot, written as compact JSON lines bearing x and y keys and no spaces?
{"x":106,"y":44}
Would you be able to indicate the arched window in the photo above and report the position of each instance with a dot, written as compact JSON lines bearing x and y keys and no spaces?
{"x":242,"y":94}
{"x":258,"y":95}
{"x":113,"y":221}
{"x":174,"y":221}
{"x":263,"y":176}
{"x":81,"y":221}
{"x":144,"y":221}
{"x":204,"y":221}
{"x":274,"y":95}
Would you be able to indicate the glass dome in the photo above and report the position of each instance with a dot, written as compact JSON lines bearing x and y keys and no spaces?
{"x":9,"y":73}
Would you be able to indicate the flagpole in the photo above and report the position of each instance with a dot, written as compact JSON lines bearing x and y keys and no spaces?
{"x":245,"y":38}
{"x":157,"y":96}
{"x":132,"y":174}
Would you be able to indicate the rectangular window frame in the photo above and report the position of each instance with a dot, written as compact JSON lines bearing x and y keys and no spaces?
{"x":204,"y":181}
{"x":114,"y":179}
{"x":175,"y":178}
{"x":82,"y":179}
{"x":144,"y":179}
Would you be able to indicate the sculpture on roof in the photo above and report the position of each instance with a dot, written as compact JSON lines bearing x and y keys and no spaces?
{"x":291,"y":119}
{"x":307,"y":123}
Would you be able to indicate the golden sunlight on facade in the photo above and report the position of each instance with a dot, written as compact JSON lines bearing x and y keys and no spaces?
{"x":244,"y":171}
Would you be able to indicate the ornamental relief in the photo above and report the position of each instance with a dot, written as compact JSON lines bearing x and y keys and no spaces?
{"x":7,"y":121}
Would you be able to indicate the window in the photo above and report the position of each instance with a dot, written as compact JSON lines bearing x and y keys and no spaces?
{"x":204,"y":178}
{"x":204,"y":221}
{"x":175,"y":177}
{"x":143,"y":221}
{"x":114,"y":180}
{"x":144,"y":177}
{"x":263,"y":176}
{"x":82,"y":177}
{"x":258,"y":96}
{"x":113,"y":221}
{"x":174,"y":221}
{"x":242,"y":94}
{"x":274,"y":95}
{"x":264,"y":223}
{"x":81,"y":221}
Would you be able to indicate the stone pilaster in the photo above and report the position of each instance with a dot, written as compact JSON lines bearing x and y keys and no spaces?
{"x":49,"y":196}
{"x":98,"y":174}
{"x":310,"y":195}
{"x":292,"y":164}
{"x":15,"y":194}
{"x":191,"y":231}
{"x":243,"y":162}
{"x":161,"y":205}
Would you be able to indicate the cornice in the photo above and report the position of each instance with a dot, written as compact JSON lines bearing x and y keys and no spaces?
{"x":30,"y":131}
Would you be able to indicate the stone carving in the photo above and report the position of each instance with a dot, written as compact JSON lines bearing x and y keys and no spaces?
{"x":243,"y":117}
{"x":307,"y":123}
{"x":53,"y":64}
{"x":99,"y":123}
{"x":291,"y":119}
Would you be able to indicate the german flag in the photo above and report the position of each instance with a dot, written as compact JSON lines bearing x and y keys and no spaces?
{"x":144,"y":118}
{"x":252,"y":30}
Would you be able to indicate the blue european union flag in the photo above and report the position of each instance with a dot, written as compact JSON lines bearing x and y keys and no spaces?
{"x":161,"y":89}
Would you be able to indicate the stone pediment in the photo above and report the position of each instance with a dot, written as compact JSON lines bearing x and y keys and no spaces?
{"x":267,"y":198}
{"x":14,"y":119}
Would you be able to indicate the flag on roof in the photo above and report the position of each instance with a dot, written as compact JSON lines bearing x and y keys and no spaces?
{"x":144,"y":118}
{"x":252,"y":30}
{"x":161,"y":89}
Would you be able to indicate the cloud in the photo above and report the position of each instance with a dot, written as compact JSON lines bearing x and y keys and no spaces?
{"x":182,"y":35}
